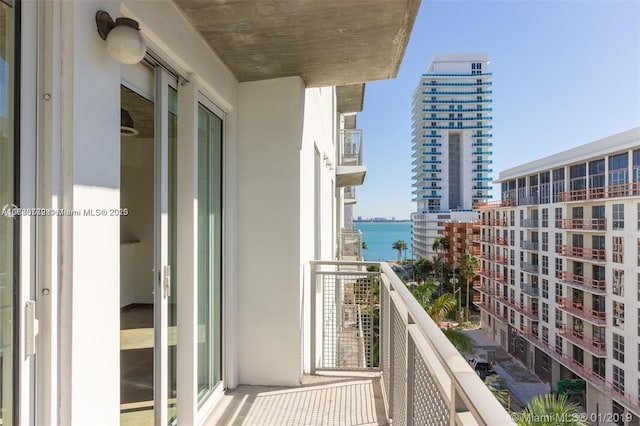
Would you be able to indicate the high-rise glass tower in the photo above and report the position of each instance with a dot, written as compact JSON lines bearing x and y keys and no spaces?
{"x":451,"y":144}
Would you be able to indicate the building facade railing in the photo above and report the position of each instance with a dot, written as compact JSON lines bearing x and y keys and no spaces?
{"x":595,"y":347}
{"x":596,"y":224}
{"x":350,"y":244}
{"x":350,"y":147}
{"x":584,"y":253}
{"x":577,"y":309}
{"x":584,"y":283}
{"x":425,"y":380}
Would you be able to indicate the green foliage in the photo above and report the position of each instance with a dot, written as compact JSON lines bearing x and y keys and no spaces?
{"x":550,"y":410}
{"x":461,"y":341}
{"x":401,"y":246}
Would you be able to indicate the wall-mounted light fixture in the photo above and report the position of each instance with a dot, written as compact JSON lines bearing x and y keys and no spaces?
{"x":124,"y":41}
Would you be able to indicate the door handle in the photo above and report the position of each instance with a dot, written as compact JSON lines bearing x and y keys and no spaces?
{"x":166,"y":280}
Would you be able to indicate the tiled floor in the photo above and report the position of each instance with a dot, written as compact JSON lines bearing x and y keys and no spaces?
{"x":328,"y":400}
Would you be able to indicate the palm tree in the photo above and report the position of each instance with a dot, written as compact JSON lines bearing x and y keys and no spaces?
{"x":399,"y":245}
{"x":548,"y":410}
{"x":441,"y":245}
{"x":422,"y":268}
{"x":468,"y":267}
{"x":438,"y":310}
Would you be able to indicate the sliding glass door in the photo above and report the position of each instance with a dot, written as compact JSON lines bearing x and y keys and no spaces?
{"x":209,"y":251}
{"x":8,"y":289}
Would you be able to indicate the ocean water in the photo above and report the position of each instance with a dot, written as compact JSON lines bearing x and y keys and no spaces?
{"x":380,"y":236}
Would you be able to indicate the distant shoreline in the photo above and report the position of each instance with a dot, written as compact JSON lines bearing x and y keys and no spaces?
{"x":381,"y":220}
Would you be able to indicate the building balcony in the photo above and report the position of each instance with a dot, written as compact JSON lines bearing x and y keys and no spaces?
{"x":482,"y":179}
{"x":492,"y":311}
{"x":423,"y":378}
{"x":577,"y":309}
{"x":584,"y":372}
{"x":476,"y":110}
{"x":457,"y":101}
{"x":482,"y":92}
{"x":597,"y":224}
{"x":483,"y":118}
{"x":350,"y":245}
{"x":531,"y":268}
{"x":594,"y":347}
{"x":455,"y":127}
{"x":479,"y":143}
{"x":486,"y":74}
{"x":434,"y":144}
{"x":529,"y":223}
{"x":442,"y":83}
{"x":583,"y":283}
{"x":523,"y":309}
{"x":482,"y":187}
{"x":584,"y":253}
{"x":350,"y":195}
{"x":502,"y":241}
{"x":630,"y":189}
{"x":529,"y":245}
{"x":350,"y":170}
{"x":529,"y":290}
{"x":501,"y":260}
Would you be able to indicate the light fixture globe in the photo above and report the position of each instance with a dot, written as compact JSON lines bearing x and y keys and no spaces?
{"x":126,"y":44}
{"x":124,"y":41}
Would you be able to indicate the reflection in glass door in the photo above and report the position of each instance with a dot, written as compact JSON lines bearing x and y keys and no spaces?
{"x":209,"y":252}
{"x":8,"y":383}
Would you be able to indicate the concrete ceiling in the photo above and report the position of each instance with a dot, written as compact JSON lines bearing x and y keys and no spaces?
{"x":350,"y":98}
{"x":326,"y":42}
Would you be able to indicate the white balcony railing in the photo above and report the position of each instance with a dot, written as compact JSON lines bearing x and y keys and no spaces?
{"x":425,"y":380}
{"x":350,"y":245}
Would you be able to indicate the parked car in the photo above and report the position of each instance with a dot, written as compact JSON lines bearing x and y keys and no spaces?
{"x":483,"y":367}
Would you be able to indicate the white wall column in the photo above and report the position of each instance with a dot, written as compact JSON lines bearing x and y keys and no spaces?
{"x":89,"y":343}
{"x":270,"y":120}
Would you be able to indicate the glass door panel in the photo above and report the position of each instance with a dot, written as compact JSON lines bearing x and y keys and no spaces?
{"x":7,"y":222}
{"x":173,"y":233}
{"x":209,"y":251}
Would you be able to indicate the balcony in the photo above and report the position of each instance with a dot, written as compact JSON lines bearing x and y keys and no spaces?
{"x":531,"y":268}
{"x":630,"y":189}
{"x":350,"y":195}
{"x":577,"y":309}
{"x":350,"y":170}
{"x":350,"y":245}
{"x":597,"y":224}
{"x":583,"y":283}
{"x":492,"y":311}
{"x":594,"y":347}
{"x":530,"y":313}
{"x":424,"y":379}
{"x":584,"y":253}
{"x":529,"y":223}
{"x":529,"y":245}
{"x":529,"y":290}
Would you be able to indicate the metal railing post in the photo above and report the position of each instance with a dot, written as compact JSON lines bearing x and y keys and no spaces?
{"x":312,"y":313}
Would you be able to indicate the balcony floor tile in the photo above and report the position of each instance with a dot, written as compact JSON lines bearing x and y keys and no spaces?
{"x":350,"y":399}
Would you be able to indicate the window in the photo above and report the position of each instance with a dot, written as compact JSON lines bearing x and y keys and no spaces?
{"x":618,"y":216}
{"x":558,"y":291}
{"x":559,"y":318}
{"x":545,"y":312}
{"x":558,"y":242}
{"x":545,"y":241}
{"x":546,"y":365}
{"x":618,"y":282}
{"x":545,"y":265}
{"x":618,"y":249}
{"x":558,"y":343}
{"x":545,"y":334}
{"x":638,"y":214}
{"x":545,"y":218}
{"x":512,"y":258}
{"x":599,"y":366}
{"x":618,"y":378}
{"x":512,"y":237}
{"x":559,"y":268}
{"x":618,"y":170}
{"x":618,"y":347}
{"x":638,"y":251}
{"x":618,"y":314}
{"x":545,"y":288}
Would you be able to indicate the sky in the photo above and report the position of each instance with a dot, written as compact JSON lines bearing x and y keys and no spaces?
{"x":565,"y":73}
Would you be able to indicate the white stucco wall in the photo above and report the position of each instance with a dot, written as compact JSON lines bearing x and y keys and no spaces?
{"x":269,"y":142}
